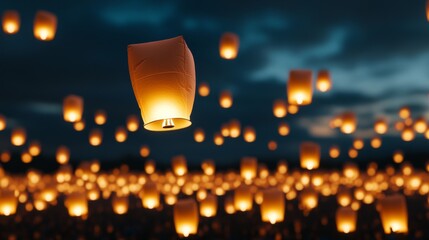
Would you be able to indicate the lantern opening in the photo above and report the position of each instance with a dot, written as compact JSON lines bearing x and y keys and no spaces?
{"x":168,"y":123}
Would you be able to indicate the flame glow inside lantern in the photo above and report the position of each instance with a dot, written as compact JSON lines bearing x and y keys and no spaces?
{"x":283,"y":129}
{"x":8,"y":203}
{"x":163,"y":79}
{"x":199,"y":135}
{"x":234,"y":128}
{"x":150,"y":167}
{"x":420,"y":125}
{"x":273,"y":206}
{"x":18,"y":137}
{"x":120,"y":204}
{"x":72,"y":108}
{"x":2,"y":122}
{"x":45,"y":26}
{"x":279,"y":108}
{"x":11,"y":22}
{"x":121,"y":134}
{"x":249,"y":134}
{"x":243,"y":198}
{"x":346,"y":219}
{"x":204,"y":89}
{"x":63,"y":155}
{"x":334,"y":152}
{"x":100,"y":117}
{"x":408,"y":134}
{"x":324,"y":81}
{"x":229,"y":205}
{"x":208,"y":206}
{"x":95,"y":137}
{"x":150,"y":195}
{"x":248,"y":168}
{"x":349,"y":123}
{"x":393,"y":214}
{"x":300,"y":87}
{"x":179,"y":166}
{"x":185,"y":214}
{"x":229,"y":45}
{"x":144,"y":151}
{"x":208,"y":167}
{"x":309,"y":155}
{"x":133,"y":123}
{"x":76,"y":204}
{"x":308,"y":199}
{"x":225,"y":99}
{"x":381,"y":126}
{"x":218,"y":139}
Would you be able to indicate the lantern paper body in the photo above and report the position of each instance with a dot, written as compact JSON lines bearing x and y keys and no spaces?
{"x":249,"y":134}
{"x":95,"y":137}
{"x":121,"y":134}
{"x":394,"y":215}
{"x":8,"y":203}
{"x":334,"y":152}
{"x":309,"y":155}
{"x":150,"y":196}
{"x":18,"y":137}
{"x":186,"y":217}
{"x":308,"y":199}
{"x":100,"y":117}
{"x":144,"y":151}
{"x":34,"y":149}
{"x":120,"y":205}
{"x":133,"y":123}
{"x":76,"y":204}
{"x":273,"y":206}
{"x":179,"y":166}
{"x":346,"y":219}
{"x":283,"y":129}
{"x":208,"y":167}
{"x":420,"y":125}
{"x":163,"y":79}
{"x":323,"y":82}
{"x":248,"y":168}
{"x":300,"y":88}
{"x":381,"y":126}
{"x":234,"y":128}
{"x":225,"y":99}
{"x":2,"y":122}
{"x":349,"y":122}
{"x":199,"y":135}
{"x":427,"y":10}
{"x":243,"y":198}
{"x":11,"y":22}
{"x":63,"y":155}
{"x":45,"y":26}
{"x":228,"y":46}
{"x":279,"y":109}
{"x":218,"y":139}
{"x":408,"y":134}
{"x":150,"y":167}
{"x":72,"y":108}
{"x":208,"y":206}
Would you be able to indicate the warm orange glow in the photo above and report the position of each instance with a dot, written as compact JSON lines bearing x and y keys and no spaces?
{"x":199,"y":135}
{"x":45,"y":26}
{"x":208,"y":206}
{"x":225,"y":99}
{"x":95,"y":137}
{"x":398,"y":156}
{"x":18,"y":137}
{"x":150,"y":167}
{"x":144,"y":151}
{"x":248,"y":168}
{"x":408,"y":134}
{"x":309,"y":155}
{"x":334,"y":152}
{"x":249,"y":134}
{"x":204,"y":89}
{"x":76,"y":204}
{"x":72,"y":108}
{"x":427,"y":10}
{"x":133,"y":123}
{"x":5,"y":157}
{"x":394,"y":214}
{"x":292,"y":109}
{"x":346,"y":219}
{"x":376,"y":142}
{"x":121,"y":134}
{"x":404,"y":112}
{"x":8,"y":203}
{"x":2,"y":122}
{"x":324,"y":81}
{"x":185,"y":214}
{"x":79,"y":126}
{"x":358,"y":144}
{"x":150,"y":195}
{"x":178,"y":165}
{"x":243,"y":198}
{"x":11,"y":22}
{"x":349,"y":123}
{"x":34,"y":148}
{"x":120,"y":205}
{"x":299,"y":87}
{"x":381,"y":126}
{"x":272,"y":145}
{"x":26,"y":157}
{"x":420,"y":125}
{"x":63,"y":155}
{"x":218,"y":139}
{"x":208,"y":167}
{"x":279,"y":108}
{"x":100,"y":117}
{"x":228,"y":46}
{"x":353,"y":153}
{"x":283,"y":129}
{"x":234,"y":128}
{"x":273,"y":206}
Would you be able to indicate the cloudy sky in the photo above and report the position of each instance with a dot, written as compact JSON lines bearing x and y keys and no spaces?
{"x":376,"y":51}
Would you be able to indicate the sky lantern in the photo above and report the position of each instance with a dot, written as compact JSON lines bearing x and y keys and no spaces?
{"x":5,"y":156}
{"x":72,"y":108}
{"x":120,"y":204}
{"x":243,"y":198}
{"x":324,"y":81}
{"x":427,"y":10}
{"x":18,"y":137}
{"x":224,"y":130}
{"x":208,"y":166}
{"x":218,"y":139}
{"x":26,"y":157}
{"x":11,"y":22}
{"x":185,"y":215}
{"x":248,"y":168}
{"x":225,"y":99}
{"x":272,"y":145}
{"x":229,"y":45}
{"x":336,"y":121}
{"x":358,"y":143}
{"x":8,"y":203}
{"x":150,"y":195}
{"x":308,"y":199}
{"x":408,"y":134}
{"x":309,"y":155}
{"x":420,"y":125}
{"x":95,"y":137}
{"x":349,"y":123}
{"x":144,"y":151}
{"x":79,"y":125}
{"x":100,"y":117}
{"x":292,"y":109}
{"x":282,"y":167}
{"x":346,"y":219}
{"x":398,"y":156}
{"x":229,"y":205}
{"x":179,"y":166}
{"x":353,"y":153}
{"x":344,"y":197}
{"x":234,"y":128}
{"x":394,"y":214}
{"x":249,"y":134}
{"x":381,"y":126}
{"x":351,"y":171}
{"x":283,"y":129}
{"x":45,"y":26}
{"x":3,"y":122}
{"x":149,"y":167}
{"x":133,"y":123}
{"x":279,"y":108}
{"x":63,"y":155}
{"x":163,"y":79}
{"x":204,"y":89}
{"x":121,"y":134}
{"x":77,"y":204}
{"x":376,"y":142}
{"x":404,"y":112}
{"x":300,"y":87}
{"x":273,"y":206}
{"x":35,"y":148}
{"x":334,"y":151}
{"x":199,"y":135}
{"x":208,"y":206}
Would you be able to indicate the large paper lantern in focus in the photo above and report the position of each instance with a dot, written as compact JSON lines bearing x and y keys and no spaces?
{"x":249,"y":134}
{"x":225,"y":99}
{"x":248,"y":168}
{"x":381,"y":126}
{"x":163,"y":79}
{"x":100,"y":117}
{"x":95,"y":137}
{"x":394,"y":214}
{"x":3,"y":122}
{"x":199,"y":135}
{"x":349,"y":123}
{"x":273,"y":206}
{"x":63,"y":155}
{"x":185,"y":214}
{"x":120,"y":204}
{"x":310,"y":155}
{"x":72,"y":108}
{"x":243,"y":198}
{"x":300,"y":87}
{"x":179,"y":166}
{"x":45,"y":26}
{"x":204,"y":89}
{"x":324,"y":81}
{"x":229,"y":45}
{"x":279,"y":108}
{"x":121,"y":134}
{"x":11,"y":22}
{"x":150,"y":195}
{"x":133,"y":123}
{"x":8,"y":203}
{"x":76,"y":204}
{"x":208,"y":206}
{"x":18,"y":137}
{"x":346,"y":219}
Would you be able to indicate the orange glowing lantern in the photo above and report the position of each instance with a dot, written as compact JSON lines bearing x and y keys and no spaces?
{"x":273,"y":206}
{"x":408,"y":134}
{"x":376,"y":142}
{"x":249,"y":134}
{"x":310,"y":155}
{"x":324,"y":81}
{"x":11,"y":22}
{"x":8,"y":203}
{"x":283,"y":129}
{"x":185,"y":214}
{"x":248,"y":168}
{"x":72,"y":108}
{"x":334,"y":152}
{"x":208,"y":167}
{"x":18,"y":137}
{"x":398,"y":156}
{"x":381,"y":126}
{"x":150,"y":167}
{"x":79,"y":126}
{"x":45,"y":26}
{"x":292,"y":109}
{"x":208,"y":206}
{"x":2,"y":122}
{"x":394,"y":214}
{"x":26,"y":157}
{"x":358,"y":144}
{"x":349,"y":123}
{"x":243,"y":198}
{"x":228,"y":46}
{"x":199,"y":135}
{"x":204,"y":89}
{"x":234,"y":128}
{"x":300,"y":87}
{"x":100,"y":117}
{"x":150,"y":195}
{"x":404,"y":112}
{"x":120,"y":204}
{"x":63,"y":155}
{"x":225,"y":99}
{"x":272,"y":145}
{"x":144,"y":151}
{"x":133,"y":123}
{"x":77,"y":204}
{"x":279,"y":108}
{"x":420,"y":125}
{"x":179,"y":166}
{"x":95,"y":137}
{"x":218,"y":139}
{"x":121,"y":134}
{"x":308,"y":199}
{"x":346,"y":219}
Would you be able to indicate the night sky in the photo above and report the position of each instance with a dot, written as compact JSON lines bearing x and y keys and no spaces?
{"x":377,"y":53}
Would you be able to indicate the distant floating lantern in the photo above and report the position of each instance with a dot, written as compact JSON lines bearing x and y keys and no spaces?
{"x":218,"y":139}
{"x":292,"y":109}
{"x":165,"y":94}
{"x":346,"y":219}
{"x":394,"y":214}
{"x":283,"y":129}
{"x":308,"y":199}
{"x":334,"y":152}
{"x":150,"y":195}
{"x":420,"y":125}
{"x":310,"y":155}
{"x":408,"y":134}
{"x":349,"y":123}
{"x":208,"y":206}
{"x":279,"y":108}
{"x":100,"y":117}
{"x":229,"y":45}
{"x":185,"y":214}
{"x":225,"y":99}
{"x":26,"y":157}
{"x":300,"y":87}
{"x":133,"y":123}
{"x":79,"y":126}
{"x":18,"y":137}
{"x":95,"y":137}
{"x":77,"y":204}
{"x":404,"y":112}
{"x":427,"y":10}
{"x":282,"y":167}
{"x":398,"y":156}
{"x":72,"y":108}
{"x":120,"y":204}
{"x":229,"y":205}
{"x":344,"y":197}
{"x":249,"y":134}
{"x":45,"y":26}
{"x":353,"y":153}
{"x":179,"y":166}
{"x":324,"y":81}
{"x":2,"y":122}
{"x":381,"y":126}
{"x":243,"y":198}
{"x":204,"y":89}
{"x":336,"y":122}
{"x":63,"y":155}
{"x":208,"y":167}
{"x":272,"y":145}
{"x":121,"y":134}
{"x":234,"y":128}
{"x":358,"y":144}
{"x":273,"y":206}
{"x":376,"y":142}
{"x":144,"y":151}
{"x":11,"y":22}
{"x":150,"y":167}
{"x":248,"y":168}
{"x":8,"y":203}
{"x":5,"y":156}
{"x":199,"y":135}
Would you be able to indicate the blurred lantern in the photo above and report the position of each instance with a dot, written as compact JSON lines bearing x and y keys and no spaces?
{"x":76,"y":204}
{"x":408,"y":134}
{"x":179,"y":166}
{"x":283,"y":129}
{"x":344,"y":197}
{"x":120,"y":204}
{"x":204,"y":89}
{"x":225,"y":99}
{"x":323,"y":82}
{"x":11,"y":22}
{"x":234,"y":128}
{"x":349,"y":122}
{"x":8,"y":202}
{"x":427,"y":134}
{"x":420,"y":125}
{"x":63,"y":155}
{"x":376,"y":142}
{"x":393,"y":214}
{"x":121,"y":134}
{"x":336,"y":122}
{"x":308,"y":199}
{"x":353,"y":153}
{"x":334,"y":152}
{"x":346,"y":219}
{"x":309,"y":155}
{"x":133,"y":123}
{"x":2,"y":122}
{"x":273,"y":206}
{"x":243,"y":198}
{"x":150,"y":195}
{"x":5,"y":156}
{"x":26,"y":157}
{"x":282,"y":167}
{"x":49,"y":194}
{"x":72,"y":108}
{"x":381,"y":126}
{"x":272,"y":145}
{"x":398,"y":156}
{"x":150,"y":167}
{"x":79,"y":126}
{"x":18,"y":137}
{"x":399,"y":126}
{"x":208,"y":167}
{"x":300,"y":88}
{"x":279,"y":108}
{"x":228,"y":46}
{"x":218,"y":139}
{"x":248,"y":168}
{"x":144,"y":151}
{"x":199,"y":135}
{"x":427,"y":10}
{"x":95,"y":137}
{"x":45,"y":26}
{"x":35,"y":148}
{"x":165,"y":95}
{"x":358,"y":144}
{"x":100,"y":117}
{"x":249,"y":134}
{"x":224,"y":130}
{"x":229,"y":205}
{"x":185,"y":215}
{"x":404,"y":112}
{"x":208,"y":206}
